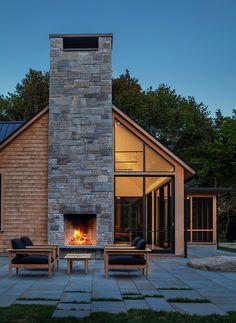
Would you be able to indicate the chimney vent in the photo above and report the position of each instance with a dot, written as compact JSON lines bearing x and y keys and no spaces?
{"x":80,"y":43}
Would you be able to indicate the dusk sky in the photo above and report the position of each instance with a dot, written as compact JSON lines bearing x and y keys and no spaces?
{"x":190,"y":45}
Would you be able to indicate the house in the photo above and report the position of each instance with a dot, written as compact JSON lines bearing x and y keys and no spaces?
{"x":81,"y":173}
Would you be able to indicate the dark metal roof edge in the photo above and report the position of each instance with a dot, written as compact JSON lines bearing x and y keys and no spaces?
{"x":25,"y":124}
{"x":10,"y":122}
{"x":13,"y":132}
{"x":80,"y":35}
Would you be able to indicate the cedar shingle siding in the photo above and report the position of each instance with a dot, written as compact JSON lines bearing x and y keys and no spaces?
{"x":24,"y":166}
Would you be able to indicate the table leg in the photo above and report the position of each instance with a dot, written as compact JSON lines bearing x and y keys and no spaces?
{"x":69,"y":266}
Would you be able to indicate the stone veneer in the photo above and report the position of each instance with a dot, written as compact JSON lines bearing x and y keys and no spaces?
{"x":80,"y":137}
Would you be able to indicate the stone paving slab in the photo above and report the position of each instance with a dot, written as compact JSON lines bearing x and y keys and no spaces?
{"x":76,"y":297}
{"x":198,"y":308}
{"x":42,"y":294}
{"x":190,"y":294}
{"x":136,"y":304}
{"x":227,"y":307}
{"x":110,"y":307}
{"x":216,"y":292}
{"x":71,"y":306}
{"x":36,"y":302}
{"x":101,"y":293}
{"x":159,"y":304}
{"x":7,"y":300}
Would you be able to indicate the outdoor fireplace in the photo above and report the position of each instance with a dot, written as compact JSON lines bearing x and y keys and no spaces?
{"x":80,"y":229}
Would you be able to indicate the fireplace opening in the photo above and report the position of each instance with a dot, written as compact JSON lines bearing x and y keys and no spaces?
{"x":80,"y":229}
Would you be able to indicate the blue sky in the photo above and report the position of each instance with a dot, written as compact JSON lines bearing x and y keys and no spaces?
{"x":189,"y":45}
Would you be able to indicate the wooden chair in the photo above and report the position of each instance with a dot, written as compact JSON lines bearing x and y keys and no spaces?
{"x":127,"y":258}
{"x":54,"y":247}
{"x":21,"y":257}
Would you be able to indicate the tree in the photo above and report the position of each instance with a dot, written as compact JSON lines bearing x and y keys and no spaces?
{"x":127,"y":94}
{"x":30,"y":97}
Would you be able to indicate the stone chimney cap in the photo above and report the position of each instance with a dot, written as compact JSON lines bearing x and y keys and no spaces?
{"x":79,"y":35}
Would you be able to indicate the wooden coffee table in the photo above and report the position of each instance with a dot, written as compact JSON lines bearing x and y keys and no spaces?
{"x":70,"y":257}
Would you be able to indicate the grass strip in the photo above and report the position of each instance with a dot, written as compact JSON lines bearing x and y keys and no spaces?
{"x":42,"y":313}
{"x":153,"y":296}
{"x":187,"y":300}
{"x":228,"y":249}
{"x":101,"y":299}
{"x":133,"y":297}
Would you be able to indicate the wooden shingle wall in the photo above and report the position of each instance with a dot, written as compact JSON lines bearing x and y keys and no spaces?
{"x":24,"y":168}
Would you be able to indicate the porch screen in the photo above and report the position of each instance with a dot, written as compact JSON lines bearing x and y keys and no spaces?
{"x":201,"y":220}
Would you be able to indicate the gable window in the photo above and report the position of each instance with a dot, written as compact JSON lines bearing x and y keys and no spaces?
{"x":133,"y":155}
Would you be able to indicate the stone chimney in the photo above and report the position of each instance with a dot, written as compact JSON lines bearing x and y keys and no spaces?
{"x":80,"y":133}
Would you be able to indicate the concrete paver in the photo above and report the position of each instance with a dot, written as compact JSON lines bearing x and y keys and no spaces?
{"x":110,"y":307}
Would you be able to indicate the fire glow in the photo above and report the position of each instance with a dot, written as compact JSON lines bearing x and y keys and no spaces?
{"x":79,"y":238}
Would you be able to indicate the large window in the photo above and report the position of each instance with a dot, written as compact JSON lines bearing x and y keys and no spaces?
{"x":143,"y":203}
{"x":132,"y":154}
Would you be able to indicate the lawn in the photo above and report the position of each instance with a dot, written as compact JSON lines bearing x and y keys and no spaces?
{"x":227,"y":249}
{"x":42,"y":313}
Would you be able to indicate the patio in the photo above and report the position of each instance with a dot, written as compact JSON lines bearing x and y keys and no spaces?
{"x":78,"y":294}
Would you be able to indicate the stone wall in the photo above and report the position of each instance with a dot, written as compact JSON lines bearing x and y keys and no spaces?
{"x":80,"y":137}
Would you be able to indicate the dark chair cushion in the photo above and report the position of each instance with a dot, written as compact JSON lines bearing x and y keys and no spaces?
{"x":31,"y":259}
{"x":141,"y":244}
{"x":126,"y":260}
{"x":27,"y":241}
{"x":18,"y":244}
{"x":135,"y":241}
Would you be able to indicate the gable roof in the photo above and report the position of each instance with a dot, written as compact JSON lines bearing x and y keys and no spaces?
{"x":188,"y":169}
{"x":21,"y":128}
{"x":8,"y":127}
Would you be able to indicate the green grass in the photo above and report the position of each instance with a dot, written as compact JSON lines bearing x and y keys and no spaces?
{"x":133,"y":297}
{"x":227,"y":249}
{"x":76,"y":302}
{"x":187,"y":300}
{"x":154,"y":295}
{"x":103,"y":299}
{"x":174,"y":288}
{"x":43,"y":313}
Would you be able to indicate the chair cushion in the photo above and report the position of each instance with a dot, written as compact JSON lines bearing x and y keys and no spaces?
{"x":27,"y":241}
{"x":18,"y":244}
{"x":135,"y":241}
{"x":126,"y":260}
{"x":141,"y":244}
{"x":31,"y":259}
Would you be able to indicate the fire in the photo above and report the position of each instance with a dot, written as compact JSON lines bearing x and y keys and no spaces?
{"x":79,"y":237}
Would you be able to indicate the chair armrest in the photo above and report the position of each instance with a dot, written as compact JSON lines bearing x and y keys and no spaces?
{"x":127,"y":251}
{"x":29,"y":251}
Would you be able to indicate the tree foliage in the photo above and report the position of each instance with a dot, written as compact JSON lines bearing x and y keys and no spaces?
{"x":30,"y":96}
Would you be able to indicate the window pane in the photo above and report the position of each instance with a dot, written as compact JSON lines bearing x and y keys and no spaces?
{"x":154,"y":162}
{"x":128,"y":150}
{"x":129,"y":186}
